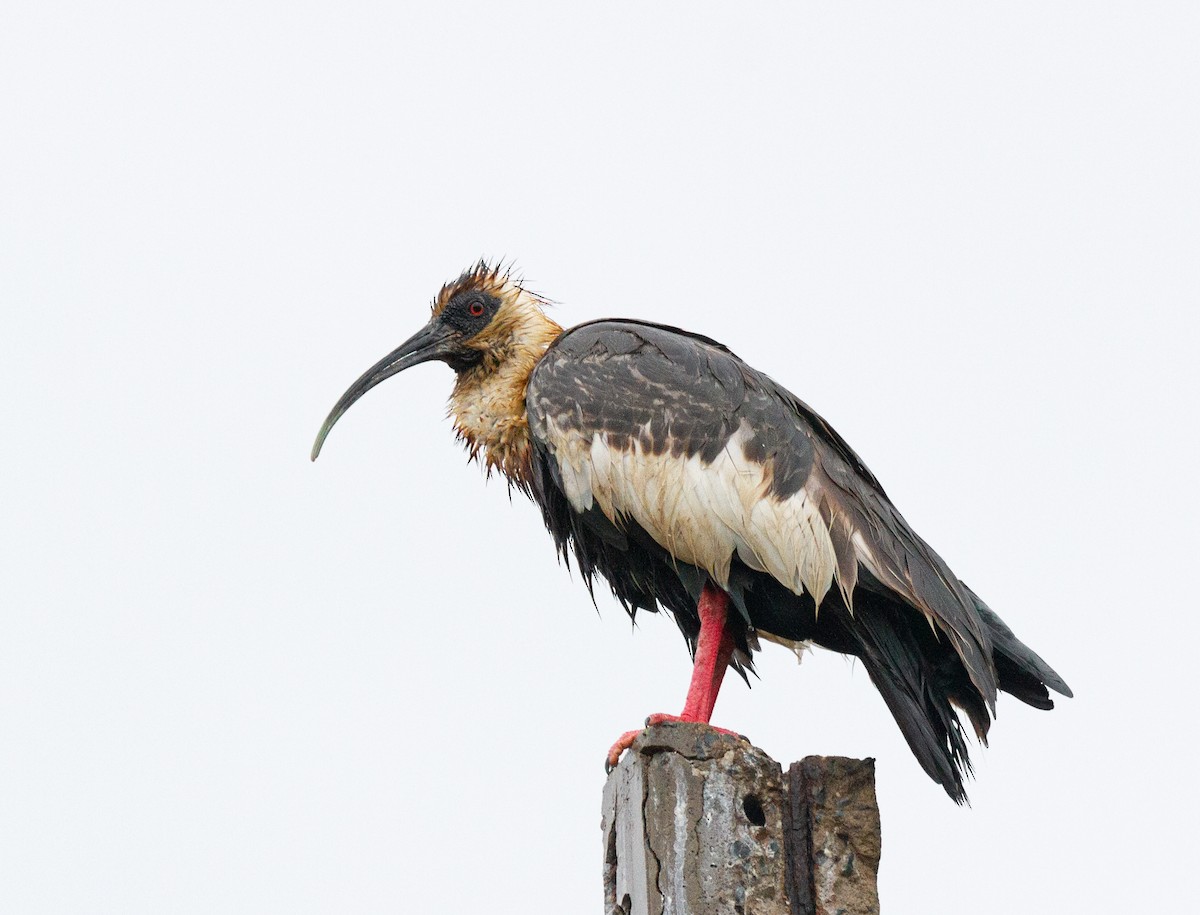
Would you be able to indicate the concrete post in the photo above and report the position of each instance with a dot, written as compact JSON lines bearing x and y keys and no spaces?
{"x":701,"y":823}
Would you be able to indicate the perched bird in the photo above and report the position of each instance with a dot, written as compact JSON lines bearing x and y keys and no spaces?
{"x":695,"y":484}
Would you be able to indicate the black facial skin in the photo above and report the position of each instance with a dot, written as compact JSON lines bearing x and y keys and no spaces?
{"x":458,"y":312}
{"x":458,"y":317}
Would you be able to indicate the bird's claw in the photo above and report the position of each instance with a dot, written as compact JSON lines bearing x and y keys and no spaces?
{"x":624,"y":742}
{"x":662,"y":718}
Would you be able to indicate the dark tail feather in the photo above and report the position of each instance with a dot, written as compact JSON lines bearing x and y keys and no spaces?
{"x":937,"y":740}
{"x":921,"y":690}
{"x":1022,"y":673}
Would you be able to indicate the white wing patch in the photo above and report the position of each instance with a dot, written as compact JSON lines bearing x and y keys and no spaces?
{"x":702,"y":513}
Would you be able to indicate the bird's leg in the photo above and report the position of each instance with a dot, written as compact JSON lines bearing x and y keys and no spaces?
{"x":714,"y":649}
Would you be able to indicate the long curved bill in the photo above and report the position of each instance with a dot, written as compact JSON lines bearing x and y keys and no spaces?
{"x":430,"y":342}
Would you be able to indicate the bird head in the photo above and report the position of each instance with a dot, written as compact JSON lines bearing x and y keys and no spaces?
{"x":480,"y":321}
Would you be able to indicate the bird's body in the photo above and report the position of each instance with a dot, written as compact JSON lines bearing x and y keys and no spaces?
{"x":695,"y":484}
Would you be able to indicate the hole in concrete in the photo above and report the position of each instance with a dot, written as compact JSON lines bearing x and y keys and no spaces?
{"x":754,"y":810}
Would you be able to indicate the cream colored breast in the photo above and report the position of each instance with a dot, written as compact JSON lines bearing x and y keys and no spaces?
{"x":702,"y":513}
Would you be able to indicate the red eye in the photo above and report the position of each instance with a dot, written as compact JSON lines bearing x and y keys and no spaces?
{"x":475,"y":309}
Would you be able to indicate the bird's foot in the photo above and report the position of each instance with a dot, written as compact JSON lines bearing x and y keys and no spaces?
{"x":625,"y":741}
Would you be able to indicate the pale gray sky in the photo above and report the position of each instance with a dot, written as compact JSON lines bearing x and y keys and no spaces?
{"x":231,"y":680}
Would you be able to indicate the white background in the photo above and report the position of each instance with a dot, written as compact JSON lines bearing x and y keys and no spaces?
{"x":234,"y":681}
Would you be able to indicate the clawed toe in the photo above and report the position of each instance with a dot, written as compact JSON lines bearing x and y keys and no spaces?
{"x":624,"y":742}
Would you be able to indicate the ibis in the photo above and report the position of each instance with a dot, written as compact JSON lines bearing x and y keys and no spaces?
{"x":695,"y":484}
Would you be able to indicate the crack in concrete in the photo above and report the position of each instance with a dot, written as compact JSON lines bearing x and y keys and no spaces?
{"x":695,"y":830}
{"x":662,"y":898}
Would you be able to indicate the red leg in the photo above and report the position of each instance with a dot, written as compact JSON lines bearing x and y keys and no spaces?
{"x":714,"y":648}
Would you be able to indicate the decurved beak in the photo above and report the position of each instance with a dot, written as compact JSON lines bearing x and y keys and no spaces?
{"x":431,"y":342}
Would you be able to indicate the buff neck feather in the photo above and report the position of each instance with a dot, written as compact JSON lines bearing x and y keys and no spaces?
{"x":488,"y":401}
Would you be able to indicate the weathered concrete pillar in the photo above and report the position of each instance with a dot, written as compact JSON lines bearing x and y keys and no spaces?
{"x":834,"y":837}
{"x":701,"y":823}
